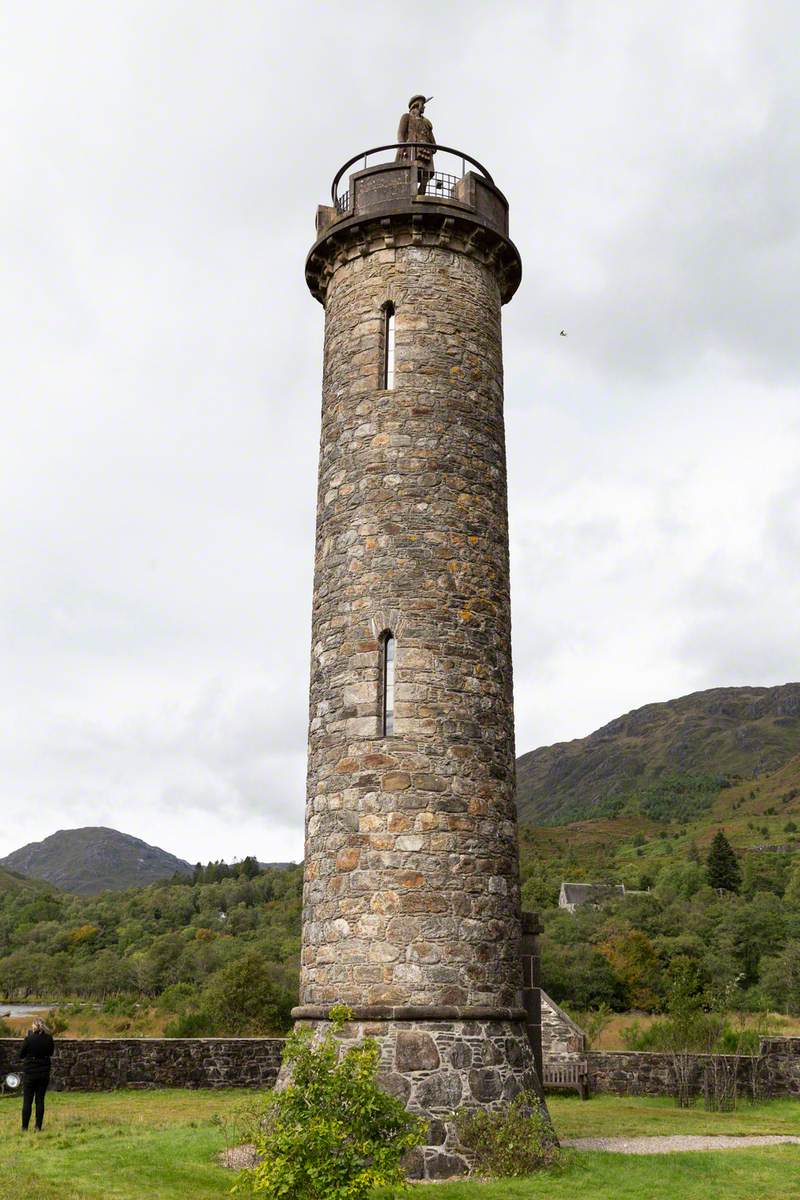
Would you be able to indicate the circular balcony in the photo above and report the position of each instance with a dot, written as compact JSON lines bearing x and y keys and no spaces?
{"x":437,"y":183}
{"x":412,"y":201}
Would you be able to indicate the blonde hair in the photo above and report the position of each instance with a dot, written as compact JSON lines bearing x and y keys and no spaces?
{"x":38,"y":1026}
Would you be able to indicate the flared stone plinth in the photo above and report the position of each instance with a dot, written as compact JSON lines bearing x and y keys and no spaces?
{"x":439,"y":1066}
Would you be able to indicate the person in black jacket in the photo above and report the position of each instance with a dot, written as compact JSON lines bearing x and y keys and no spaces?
{"x":36,"y":1052}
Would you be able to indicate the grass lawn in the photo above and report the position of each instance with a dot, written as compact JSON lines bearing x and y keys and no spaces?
{"x":643,"y":1116}
{"x":161,"y":1145}
{"x":771,"y":1174}
{"x":118,"y":1146}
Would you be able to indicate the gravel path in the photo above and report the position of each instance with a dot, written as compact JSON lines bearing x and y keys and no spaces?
{"x":677,"y":1143}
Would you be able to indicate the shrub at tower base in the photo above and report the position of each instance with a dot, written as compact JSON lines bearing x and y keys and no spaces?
{"x":515,"y":1140}
{"x":330,"y":1133}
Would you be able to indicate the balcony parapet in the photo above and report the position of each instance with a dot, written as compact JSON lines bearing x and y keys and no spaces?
{"x":407,"y":202}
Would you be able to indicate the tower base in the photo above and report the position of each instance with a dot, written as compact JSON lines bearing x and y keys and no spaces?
{"x":438,"y":1064}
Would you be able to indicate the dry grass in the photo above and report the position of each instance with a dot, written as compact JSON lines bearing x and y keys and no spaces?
{"x":147,"y":1022}
{"x":611,"y":1036}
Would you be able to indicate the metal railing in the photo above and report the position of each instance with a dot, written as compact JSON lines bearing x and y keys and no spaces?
{"x":341,"y":203}
{"x":442,"y":185}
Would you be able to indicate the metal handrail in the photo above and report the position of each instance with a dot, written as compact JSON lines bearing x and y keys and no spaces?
{"x":408,"y":146}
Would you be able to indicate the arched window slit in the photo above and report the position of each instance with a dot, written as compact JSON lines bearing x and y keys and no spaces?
{"x":388,"y":657}
{"x":387,"y":346}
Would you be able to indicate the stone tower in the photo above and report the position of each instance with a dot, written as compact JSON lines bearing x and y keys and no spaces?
{"x":411,"y":904}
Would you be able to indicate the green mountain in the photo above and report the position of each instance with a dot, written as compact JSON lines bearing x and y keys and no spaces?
{"x":94,"y":859}
{"x":665,"y":761}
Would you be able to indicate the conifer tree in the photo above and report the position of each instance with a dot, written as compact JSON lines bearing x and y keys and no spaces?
{"x":722,"y":865}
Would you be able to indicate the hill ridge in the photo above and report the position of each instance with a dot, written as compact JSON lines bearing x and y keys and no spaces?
{"x":94,"y":858}
{"x":735,"y":732}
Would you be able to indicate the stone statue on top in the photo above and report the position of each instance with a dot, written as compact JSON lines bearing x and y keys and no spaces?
{"x":415,"y":127}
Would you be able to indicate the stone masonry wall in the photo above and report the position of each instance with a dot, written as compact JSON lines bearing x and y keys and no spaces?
{"x":644,"y":1073}
{"x":562,"y":1040}
{"x":433,"y":1066}
{"x":411,"y":871}
{"x":100,"y":1064}
{"x":786,"y":1046}
{"x":436,"y":1067}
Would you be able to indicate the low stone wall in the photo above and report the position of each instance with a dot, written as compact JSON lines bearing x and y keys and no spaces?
{"x":102,"y":1064}
{"x":786,"y":1046}
{"x":642,"y":1073}
{"x":635,"y":1073}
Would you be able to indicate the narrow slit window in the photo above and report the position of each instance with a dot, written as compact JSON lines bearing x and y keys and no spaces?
{"x":389,"y":647}
{"x":387,"y":368}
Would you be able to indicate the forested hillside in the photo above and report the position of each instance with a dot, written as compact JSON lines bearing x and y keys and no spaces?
{"x":218,"y":950}
{"x":11,"y":882}
{"x":212,"y":937}
{"x":222,"y":956}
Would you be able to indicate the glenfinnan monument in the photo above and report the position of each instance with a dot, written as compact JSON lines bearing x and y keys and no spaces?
{"x":411,"y":905}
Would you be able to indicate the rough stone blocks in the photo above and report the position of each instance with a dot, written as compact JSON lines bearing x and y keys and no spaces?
{"x":411,"y":894}
{"x":437,"y":1067}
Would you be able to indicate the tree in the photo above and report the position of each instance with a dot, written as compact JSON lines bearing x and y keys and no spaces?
{"x":579,"y":975}
{"x":765,"y":873}
{"x":249,"y":867}
{"x":722,"y":865}
{"x":635,"y":963}
{"x":243,"y":997}
{"x":780,"y":979}
{"x":678,"y":881}
{"x":750,"y":929}
{"x":792,"y":893}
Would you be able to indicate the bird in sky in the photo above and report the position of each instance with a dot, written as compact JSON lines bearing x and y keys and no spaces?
{"x":563,"y":333}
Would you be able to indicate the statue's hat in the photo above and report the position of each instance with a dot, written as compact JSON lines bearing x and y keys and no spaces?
{"x":414,"y":99}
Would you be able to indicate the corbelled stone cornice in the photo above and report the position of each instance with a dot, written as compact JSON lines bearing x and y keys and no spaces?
{"x":448,"y":226}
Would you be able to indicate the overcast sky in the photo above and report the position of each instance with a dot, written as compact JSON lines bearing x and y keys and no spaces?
{"x":161,"y":360}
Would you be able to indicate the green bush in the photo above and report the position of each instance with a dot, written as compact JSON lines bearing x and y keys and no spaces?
{"x":738,"y":1041}
{"x":242,"y":999}
{"x":245,"y":998}
{"x":76,"y":1008}
{"x":331,"y":1133}
{"x":56,"y":1022}
{"x":193,"y":1024}
{"x":6,"y":1030}
{"x":177,"y":997}
{"x":704,"y":1032}
{"x":515,"y":1140}
{"x":120,"y":1006}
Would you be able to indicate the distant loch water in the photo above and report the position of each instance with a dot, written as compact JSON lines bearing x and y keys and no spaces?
{"x":23,"y":1010}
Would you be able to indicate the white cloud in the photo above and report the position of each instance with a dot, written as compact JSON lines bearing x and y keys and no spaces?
{"x":162,"y":358}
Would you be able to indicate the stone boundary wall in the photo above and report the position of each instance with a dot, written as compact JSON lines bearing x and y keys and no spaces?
{"x":644,"y":1073}
{"x":102,"y":1064}
{"x":780,"y":1045}
{"x":562,"y":1040}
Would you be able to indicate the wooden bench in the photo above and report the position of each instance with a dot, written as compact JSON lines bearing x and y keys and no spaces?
{"x":573,"y":1075}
